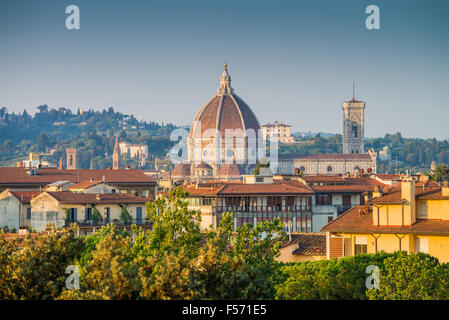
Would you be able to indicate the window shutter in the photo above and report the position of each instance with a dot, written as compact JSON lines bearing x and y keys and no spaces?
{"x":75,"y":211}
{"x":85,"y":214}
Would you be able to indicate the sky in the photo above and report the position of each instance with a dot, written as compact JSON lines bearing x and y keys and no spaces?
{"x":291,"y":61}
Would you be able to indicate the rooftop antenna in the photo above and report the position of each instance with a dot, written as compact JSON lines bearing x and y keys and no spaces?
{"x":353,"y":90}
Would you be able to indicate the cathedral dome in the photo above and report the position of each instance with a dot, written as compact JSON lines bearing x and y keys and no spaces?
{"x":224,"y":111}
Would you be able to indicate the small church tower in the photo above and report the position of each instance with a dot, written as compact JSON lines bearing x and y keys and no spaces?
{"x":71,"y":159}
{"x":353,"y":125}
{"x":116,"y":155}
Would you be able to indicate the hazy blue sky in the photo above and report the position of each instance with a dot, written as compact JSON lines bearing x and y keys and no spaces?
{"x":292,"y":61}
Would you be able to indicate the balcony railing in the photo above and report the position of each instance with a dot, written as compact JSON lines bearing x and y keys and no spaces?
{"x":90,"y":223}
{"x":261,"y":209}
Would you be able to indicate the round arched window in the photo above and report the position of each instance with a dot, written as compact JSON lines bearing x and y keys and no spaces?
{"x":229,"y":153}
{"x":357,"y":168}
{"x":329,"y":168}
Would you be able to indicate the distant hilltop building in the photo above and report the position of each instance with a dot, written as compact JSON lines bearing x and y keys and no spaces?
{"x":385,"y":154}
{"x":135,"y":151}
{"x":283,"y":131}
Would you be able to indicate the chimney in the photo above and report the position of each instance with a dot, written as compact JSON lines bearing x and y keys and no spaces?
{"x":408,"y":197}
{"x":377,"y":193}
{"x":445,"y":189}
{"x":366,"y":197}
{"x":91,"y":179}
{"x":98,"y":196}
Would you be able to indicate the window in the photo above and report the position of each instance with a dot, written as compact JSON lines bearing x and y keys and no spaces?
{"x":207,"y":202}
{"x":88,"y":214}
{"x":361,"y":245}
{"x":107,"y":214}
{"x":422,"y":245}
{"x":73,"y":214}
{"x":259,"y":179}
{"x":28,"y":213}
{"x":423,"y":210}
{"x":323,"y":199}
{"x":354,"y":131}
{"x":139,"y":215}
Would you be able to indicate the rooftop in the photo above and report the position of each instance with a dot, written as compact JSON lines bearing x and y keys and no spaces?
{"x":360,"y":219}
{"x":19,"y":176}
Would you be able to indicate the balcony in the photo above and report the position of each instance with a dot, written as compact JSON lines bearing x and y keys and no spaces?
{"x":262,"y":209}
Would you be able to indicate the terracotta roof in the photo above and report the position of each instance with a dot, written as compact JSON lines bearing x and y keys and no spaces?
{"x":308,"y":243}
{"x":203,"y":165}
{"x":324,"y":178}
{"x":69,"y":197}
{"x":327,"y":156}
{"x":358,"y":220}
{"x":311,"y":244}
{"x":229,"y":170}
{"x":221,"y":112}
{"x":393,"y":195}
{"x":239,"y":188}
{"x":342,"y":188}
{"x":276,"y":124}
{"x":24,"y":196}
{"x":181,"y":170}
{"x":85,"y":184}
{"x":388,"y":176}
{"x":267,"y":189}
{"x":19,"y":176}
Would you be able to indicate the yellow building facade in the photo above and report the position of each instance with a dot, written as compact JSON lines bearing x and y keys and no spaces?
{"x":413,"y":217}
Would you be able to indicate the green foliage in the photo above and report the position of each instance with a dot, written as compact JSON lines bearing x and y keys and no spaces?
{"x":230,"y":265}
{"x":125,"y":217}
{"x":34,"y":268}
{"x":91,"y":132}
{"x":96,"y":215}
{"x":329,"y":279}
{"x":406,"y":153}
{"x":416,"y":276}
{"x":441,"y":173}
{"x":260,"y":165}
{"x":67,"y":216}
{"x":174,"y":260}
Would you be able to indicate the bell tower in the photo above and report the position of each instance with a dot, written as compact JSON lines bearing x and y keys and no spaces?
{"x":116,"y":155}
{"x":353,"y":125}
{"x":71,"y":159}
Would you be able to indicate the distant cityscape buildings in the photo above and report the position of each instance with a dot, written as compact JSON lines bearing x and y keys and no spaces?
{"x":282,"y":131}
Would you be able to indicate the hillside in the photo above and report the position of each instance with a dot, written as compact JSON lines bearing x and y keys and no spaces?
{"x":50,"y":131}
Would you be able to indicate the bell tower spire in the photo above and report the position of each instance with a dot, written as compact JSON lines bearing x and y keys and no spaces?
{"x":116,"y":155}
{"x":225,"y":82}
